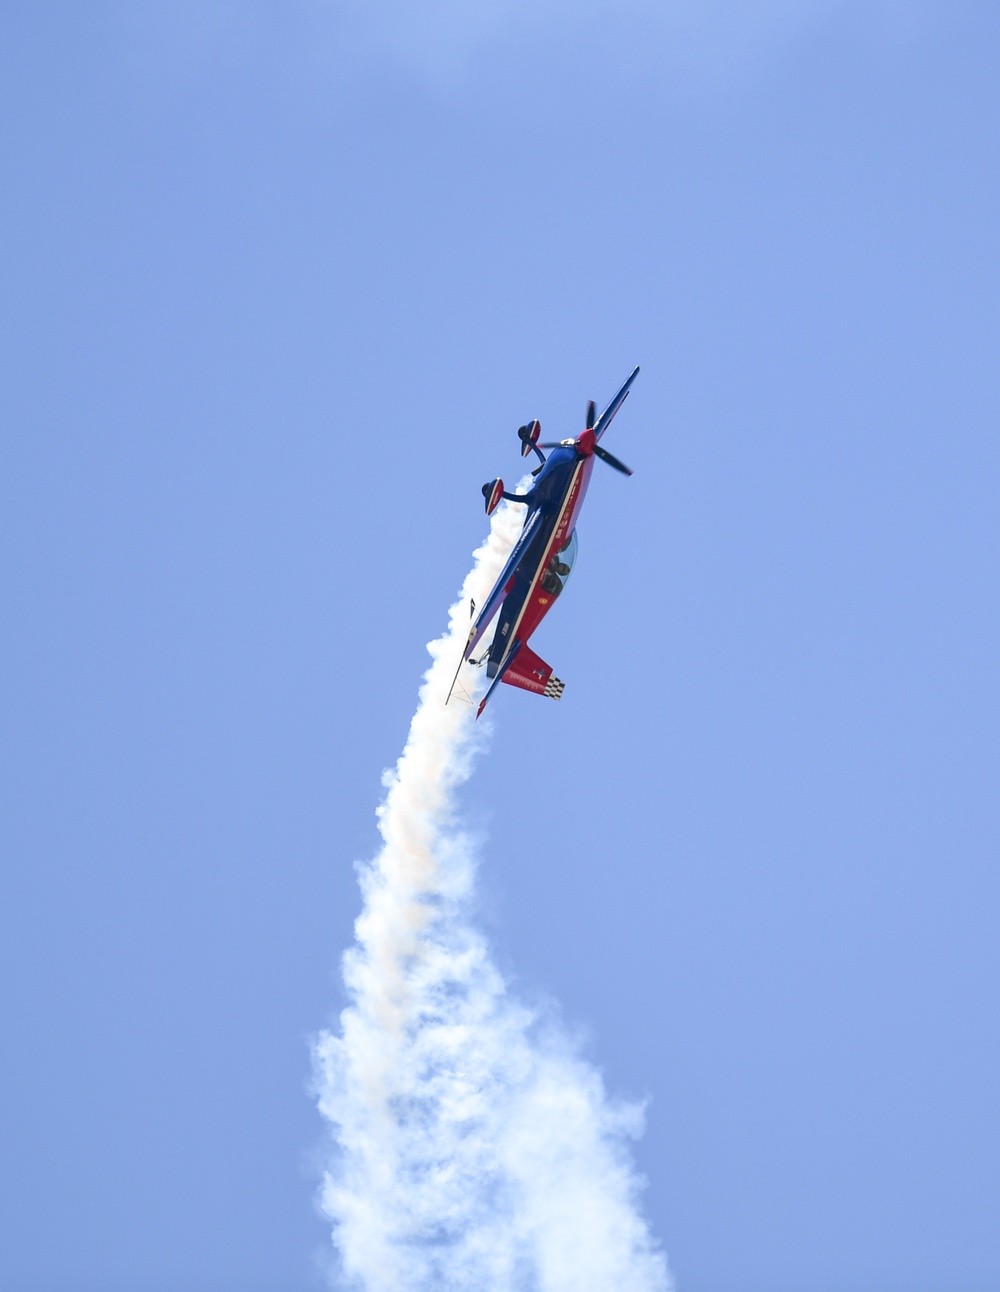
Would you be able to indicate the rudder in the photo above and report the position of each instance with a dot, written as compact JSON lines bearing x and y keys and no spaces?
{"x":531,"y":673}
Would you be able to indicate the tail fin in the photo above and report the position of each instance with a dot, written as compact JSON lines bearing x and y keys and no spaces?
{"x":533,"y":674}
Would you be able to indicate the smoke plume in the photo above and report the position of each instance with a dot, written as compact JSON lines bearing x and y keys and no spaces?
{"x":473,"y":1149}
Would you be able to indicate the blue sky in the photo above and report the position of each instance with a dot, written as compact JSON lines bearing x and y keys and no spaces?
{"x":279,"y":284}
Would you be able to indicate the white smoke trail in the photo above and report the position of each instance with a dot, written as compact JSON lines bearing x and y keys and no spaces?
{"x":475,"y":1151}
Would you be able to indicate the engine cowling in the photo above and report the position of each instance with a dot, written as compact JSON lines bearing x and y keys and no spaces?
{"x":528,"y":435}
{"x":492,"y":492}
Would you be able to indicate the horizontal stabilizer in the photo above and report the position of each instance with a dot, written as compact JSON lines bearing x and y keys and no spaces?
{"x":530,"y":673}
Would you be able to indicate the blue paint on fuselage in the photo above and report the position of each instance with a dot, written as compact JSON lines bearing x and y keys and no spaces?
{"x":547,"y":495}
{"x":544,"y":501}
{"x":554,"y":479}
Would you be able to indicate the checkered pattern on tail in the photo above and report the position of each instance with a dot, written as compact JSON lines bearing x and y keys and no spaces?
{"x":554,"y":688}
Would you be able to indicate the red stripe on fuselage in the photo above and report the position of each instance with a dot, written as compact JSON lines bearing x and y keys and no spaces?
{"x":537,"y":603}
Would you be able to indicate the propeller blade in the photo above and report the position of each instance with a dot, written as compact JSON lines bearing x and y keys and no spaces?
{"x":591,"y":414}
{"x":611,"y":460}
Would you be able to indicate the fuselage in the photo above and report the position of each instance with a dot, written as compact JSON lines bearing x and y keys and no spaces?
{"x":558,"y":493}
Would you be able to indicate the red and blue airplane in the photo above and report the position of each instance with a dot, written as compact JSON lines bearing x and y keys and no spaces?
{"x":543,"y":556}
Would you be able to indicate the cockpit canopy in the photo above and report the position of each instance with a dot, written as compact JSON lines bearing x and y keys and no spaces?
{"x":560,"y":567}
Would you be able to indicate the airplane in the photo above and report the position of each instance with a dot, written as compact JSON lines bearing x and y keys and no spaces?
{"x":542,"y":558}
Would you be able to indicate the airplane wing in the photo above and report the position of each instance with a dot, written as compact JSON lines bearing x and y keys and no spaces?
{"x":532,"y":527}
{"x":604,"y":421}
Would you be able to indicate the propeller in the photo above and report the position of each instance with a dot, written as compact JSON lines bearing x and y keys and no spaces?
{"x":611,"y":460}
{"x":602,"y":453}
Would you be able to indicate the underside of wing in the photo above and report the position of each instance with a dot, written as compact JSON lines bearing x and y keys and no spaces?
{"x":527,"y":537}
{"x":604,"y":421}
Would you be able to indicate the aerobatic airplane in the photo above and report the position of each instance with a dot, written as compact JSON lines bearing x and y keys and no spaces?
{"x":543,"y":556}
